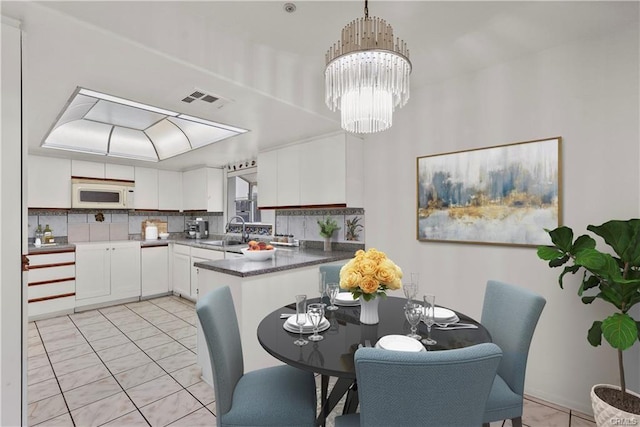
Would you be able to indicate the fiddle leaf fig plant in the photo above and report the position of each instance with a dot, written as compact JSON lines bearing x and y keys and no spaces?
{"x":613,"y":278}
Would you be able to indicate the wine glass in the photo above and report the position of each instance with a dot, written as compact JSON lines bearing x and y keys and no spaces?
{"x":429,"y":319}
{"x":301,"y":317}
{"x":410,"y":290}
{"x":332,"y":290}
{"x":322,"y":286}
{"x":316,"y":314}
{"x":413,"y":313}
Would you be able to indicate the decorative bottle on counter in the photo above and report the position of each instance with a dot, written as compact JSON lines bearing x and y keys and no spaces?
{"x":48,"y":235}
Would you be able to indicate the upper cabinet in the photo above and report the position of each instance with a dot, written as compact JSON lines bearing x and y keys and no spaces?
{"x":170,"y":190}
{"x":85,"y":169}
{"x":202,"y":189}
{"x":49,"y":182}
{"x":146,"y":193}
{"x":323,"y":171}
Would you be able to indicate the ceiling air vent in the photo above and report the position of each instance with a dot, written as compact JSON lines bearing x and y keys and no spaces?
{"x":200,"y":95}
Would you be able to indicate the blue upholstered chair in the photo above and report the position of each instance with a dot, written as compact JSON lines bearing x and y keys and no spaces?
{"x":510,"y":314}
{"x":331,"y":273}
{"x":430,"y":388}
{"x":277,"y":396}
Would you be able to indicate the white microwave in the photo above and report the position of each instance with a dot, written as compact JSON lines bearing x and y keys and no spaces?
{"x":101,"y":194}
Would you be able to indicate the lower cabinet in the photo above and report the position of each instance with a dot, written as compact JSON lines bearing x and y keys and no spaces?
{"x":155,"y":270}
{"x":107,"y":272}
{"x":52,"y":284}
{"x":184,"y":276}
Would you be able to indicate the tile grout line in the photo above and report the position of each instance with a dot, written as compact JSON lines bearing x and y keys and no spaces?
{"x":64,"y":399}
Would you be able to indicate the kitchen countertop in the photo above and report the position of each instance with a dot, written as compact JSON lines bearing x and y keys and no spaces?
{"x":284,"y":259}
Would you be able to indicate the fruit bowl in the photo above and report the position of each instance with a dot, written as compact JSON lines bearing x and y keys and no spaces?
{"x":163,"y":236}
{"x":262,"y":255}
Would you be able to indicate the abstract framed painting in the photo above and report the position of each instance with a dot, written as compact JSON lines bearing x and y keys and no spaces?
{"x":502,"y":195}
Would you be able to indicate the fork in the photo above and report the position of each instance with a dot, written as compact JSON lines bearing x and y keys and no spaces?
{"x":454,"y":326}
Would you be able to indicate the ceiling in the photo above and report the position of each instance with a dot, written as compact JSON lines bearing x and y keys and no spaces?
{"x":265,"y":64}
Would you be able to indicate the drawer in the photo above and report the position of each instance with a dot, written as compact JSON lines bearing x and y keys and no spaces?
{"x":182,"y":249}
{"x":54,"y":258}
{"x":51,"y":289}
{"x":208,"y":254}
{"x":38,"y":275}
{"x":51,"y":307}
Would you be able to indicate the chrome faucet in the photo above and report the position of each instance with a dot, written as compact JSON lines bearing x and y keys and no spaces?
{"x":245,"y":235}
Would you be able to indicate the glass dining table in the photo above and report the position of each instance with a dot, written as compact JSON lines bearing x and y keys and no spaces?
{"x":333,"y":356}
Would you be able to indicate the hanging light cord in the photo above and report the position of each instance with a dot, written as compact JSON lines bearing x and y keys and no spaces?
{"x":366,"y":9}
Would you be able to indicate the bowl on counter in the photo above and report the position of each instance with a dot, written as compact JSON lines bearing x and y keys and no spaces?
{"x":258,"y":255}
{"x":163,"y":236}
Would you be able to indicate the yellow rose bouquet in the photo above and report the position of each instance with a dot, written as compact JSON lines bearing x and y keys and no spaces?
{"x":369,"y":274}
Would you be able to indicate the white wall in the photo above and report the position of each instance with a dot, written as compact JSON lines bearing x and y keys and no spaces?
{"x":587,"y":93}
{"x":12,"y":323}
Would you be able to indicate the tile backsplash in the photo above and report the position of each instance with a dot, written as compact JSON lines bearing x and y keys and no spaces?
{"x":303,"y":224}
{"x":76,"y":225}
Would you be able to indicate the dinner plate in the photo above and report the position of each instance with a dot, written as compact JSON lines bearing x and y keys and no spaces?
{"x":399,"y":343}
{"x":291,"y":325}
{"x":295,"y":329}
{"x":444,"y":314}
{"x":346,"y":298}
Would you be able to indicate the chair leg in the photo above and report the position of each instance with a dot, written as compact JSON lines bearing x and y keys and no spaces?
{"x":485,"y":425}
{"x":516,"y":422}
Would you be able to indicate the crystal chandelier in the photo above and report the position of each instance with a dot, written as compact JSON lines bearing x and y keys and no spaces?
{"x":367,"y":75}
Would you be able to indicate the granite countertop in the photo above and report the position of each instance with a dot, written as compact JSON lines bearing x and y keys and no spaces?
{"x":284,"y":259}
{"x":58,"y":247}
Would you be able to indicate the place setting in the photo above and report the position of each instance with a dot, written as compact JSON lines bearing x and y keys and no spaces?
{"x":308,"y":319}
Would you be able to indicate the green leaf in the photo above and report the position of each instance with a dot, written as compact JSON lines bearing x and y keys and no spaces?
{"x":583,"y":242}
{"x":588,"y":300}
{"x":569,"y":269}
{"x":558,"y":262}
{"x":623,"y":237}
{"x":592,"y":259}
{"x":589,"y":283}
{"x":620,"y":331}
{"x":562,"y":237}
{"x":594,"y":336}
{"x":548,"y":253}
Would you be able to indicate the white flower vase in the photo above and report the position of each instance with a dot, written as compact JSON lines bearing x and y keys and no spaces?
{"x":369,"y":311}
{"x":327,"y":244}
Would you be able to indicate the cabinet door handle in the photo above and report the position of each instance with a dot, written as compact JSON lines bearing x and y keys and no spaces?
{"x":107,"y":248}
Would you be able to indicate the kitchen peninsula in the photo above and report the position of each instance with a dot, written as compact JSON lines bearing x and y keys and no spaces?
{"x":258,"y":288}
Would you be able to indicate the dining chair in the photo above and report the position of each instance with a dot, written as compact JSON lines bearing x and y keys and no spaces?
{"x":510,"y":314}
{"x":275,"y":396}
{"x":426,"y":388}
{"x":331,"y":273}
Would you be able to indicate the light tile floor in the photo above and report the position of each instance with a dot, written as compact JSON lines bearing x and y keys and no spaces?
{"x":135,"y":364}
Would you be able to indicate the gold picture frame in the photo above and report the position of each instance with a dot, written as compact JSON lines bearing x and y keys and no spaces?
{"x":501,"y":195}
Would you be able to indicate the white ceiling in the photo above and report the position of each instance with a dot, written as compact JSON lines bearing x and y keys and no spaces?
{"x":268,"y":64}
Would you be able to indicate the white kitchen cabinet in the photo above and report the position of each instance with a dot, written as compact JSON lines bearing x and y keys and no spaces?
{"x":155,"y":270}
{"x":107,"y":272}
{"x":288,"y":176}
{"x":121,"y":172}
{"x":52,"y":284}
{"x":331,"y":171}
{"x":49,"y":182}
{"x":169,"y":190}
{"x":268,"y":178}
{"x":202,"y":189}
{"x":201,"y":255}
{"x":181,"y":270}
{"x":146,"y":196}
{"x":328,"y":170}
{"x":82,"y":168}
{"x":184,"y":273}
